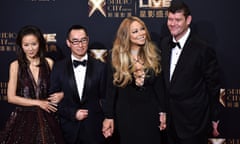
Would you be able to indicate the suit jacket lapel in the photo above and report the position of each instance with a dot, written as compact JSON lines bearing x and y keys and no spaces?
{"x":72,"y":80}
{"x":167,"y":58}
{"x":182,"y":61}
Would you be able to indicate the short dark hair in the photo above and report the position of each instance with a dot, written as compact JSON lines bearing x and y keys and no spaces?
{"x":179,"y":6}
{"x":76,"y":27}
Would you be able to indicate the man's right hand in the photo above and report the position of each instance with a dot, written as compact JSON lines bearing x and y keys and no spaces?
{"x":81,"y":114}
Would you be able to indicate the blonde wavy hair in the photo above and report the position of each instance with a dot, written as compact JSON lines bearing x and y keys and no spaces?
{"x":121,"y":53}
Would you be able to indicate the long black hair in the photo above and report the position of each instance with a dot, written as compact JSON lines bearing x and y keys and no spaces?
{"x":30,"y":30}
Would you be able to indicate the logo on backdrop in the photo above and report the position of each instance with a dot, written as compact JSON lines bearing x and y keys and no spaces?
{"x":51,"y":42}
{"x":7,"y":41}
{"x":222,"y":97}
{"x":97,"y":5}
{"x":230,"y":98}
{"x":100,"y":54}
{"x":153,"y":8}
{"x":125,"y":8}
{"x":40,"y":0}
{"x":233,"y":141}
{"x":216,"y":141}
{"x":3,"y":90}
{"x":223,"y":141}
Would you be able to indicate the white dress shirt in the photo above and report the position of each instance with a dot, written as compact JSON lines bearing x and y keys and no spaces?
{"x":80,"y":73}
{"x":176,"y":52}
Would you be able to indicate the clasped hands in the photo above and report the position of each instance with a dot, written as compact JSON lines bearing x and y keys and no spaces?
{"x":108,"y":127}
{"x":139,"y":74}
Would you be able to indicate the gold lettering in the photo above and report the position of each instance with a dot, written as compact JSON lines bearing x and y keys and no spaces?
{"x":166,"y":3}
{"x":8,"y":35}
{"x":236,"y":104}
{"x":3,"y":86}
{"x":14,"y":48}
{"x":229,"y":104}
{"x":150,"y":13}
{"x":2,"y":48}
{"x":233,"y":91}
{"x":110,"y":1}
{"x":143,"y":13}
{"x":157,"y":3}
{"x":151,"y":4}
{"x":144,"y":5}
{"x":233,"y":141}
{"x":119,"y":1}
{"x":5,"y":97}
{"x":159,"y":13}
{"x":129,"y":14}
{"x":8,"y":48}
{"x":110,"y":14}
{"x":233,"y":97}
{"x":50,"y":37}
{"x":51,"y":47}
{"x":115,"y":8}
{"x":154,"y":4}
{"x":116,"y":14}
{"x":3,"y":41}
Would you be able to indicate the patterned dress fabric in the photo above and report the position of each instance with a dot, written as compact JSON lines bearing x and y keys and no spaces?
{"x":32,"y":125}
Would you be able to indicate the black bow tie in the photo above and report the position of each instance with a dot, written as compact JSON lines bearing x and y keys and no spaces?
{"x":77,"y":63}
{"x":174,"y":44}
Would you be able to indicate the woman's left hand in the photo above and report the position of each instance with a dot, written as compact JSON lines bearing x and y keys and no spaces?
{"x":139,"y":76}
{"x":56,"y":97}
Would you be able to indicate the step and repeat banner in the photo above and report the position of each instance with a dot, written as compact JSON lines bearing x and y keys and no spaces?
{"x":215,"y":20}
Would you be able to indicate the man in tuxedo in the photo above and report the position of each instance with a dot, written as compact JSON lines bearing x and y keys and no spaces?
{"x":191,"y":76}
{"x":82,"y":80}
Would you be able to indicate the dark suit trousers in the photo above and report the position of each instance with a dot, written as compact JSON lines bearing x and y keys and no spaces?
{"x":84,"y":138}
{"x":173,"y":138}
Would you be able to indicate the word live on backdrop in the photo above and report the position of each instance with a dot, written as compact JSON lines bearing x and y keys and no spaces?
{"x":102,"y":18}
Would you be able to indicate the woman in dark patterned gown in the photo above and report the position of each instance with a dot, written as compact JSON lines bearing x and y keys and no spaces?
{"x":33,"y":121}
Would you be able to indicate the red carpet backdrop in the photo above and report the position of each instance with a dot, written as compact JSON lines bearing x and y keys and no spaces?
{"x":215,"y":20}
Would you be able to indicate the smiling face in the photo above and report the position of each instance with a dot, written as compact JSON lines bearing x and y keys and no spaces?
{"x":78,"y":42}
{"x":137,"y":34}
{"x":30,"y":45}
{"x":178,"y":24}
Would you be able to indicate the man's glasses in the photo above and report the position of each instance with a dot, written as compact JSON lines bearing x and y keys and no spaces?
{"x":82,"y":41}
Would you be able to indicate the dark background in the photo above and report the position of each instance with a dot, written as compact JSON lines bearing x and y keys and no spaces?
{"x":215,"y":20}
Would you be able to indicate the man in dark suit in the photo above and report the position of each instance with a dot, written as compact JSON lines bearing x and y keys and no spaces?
{"x":191,"y":76}
{"x":82,"y":80}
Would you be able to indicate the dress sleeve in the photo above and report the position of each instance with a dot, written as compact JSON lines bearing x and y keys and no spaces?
{"x":111,"y":92}
{"x":159,"y":88}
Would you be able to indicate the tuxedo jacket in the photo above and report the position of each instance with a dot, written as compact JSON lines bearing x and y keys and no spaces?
{"x":63,"y":79}
{"x":193,"y":92}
